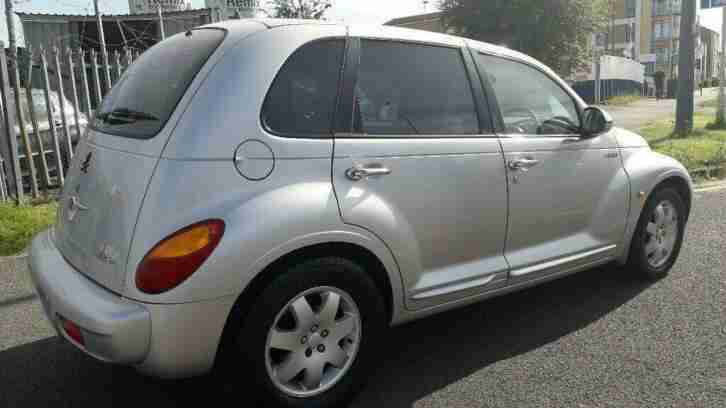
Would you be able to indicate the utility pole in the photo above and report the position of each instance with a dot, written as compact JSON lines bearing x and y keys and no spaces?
{"x":10,"y":156}
{"x":598,"y":86}
{"x":720,"y":116}
{"x":671,"y":42}
{"x":161,"y":20}
{"x":686,"y":54}
{"x":104,"y":51}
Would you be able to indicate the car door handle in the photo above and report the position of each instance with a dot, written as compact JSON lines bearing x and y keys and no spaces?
{"x":523,"y":164}
{"x":356,"y":173}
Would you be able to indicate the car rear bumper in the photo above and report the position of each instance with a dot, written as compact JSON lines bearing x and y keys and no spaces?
{"x":184,"y":339}
{"x":114,"y":329}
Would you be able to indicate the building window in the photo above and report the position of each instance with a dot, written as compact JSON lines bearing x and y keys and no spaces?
{"x":630,"y":32}
{"x":661,"y":56}
{"x":630,"y":8}
{"x":662,"y":30}
{"x":628,"y":35}
{"x":666,"y":7}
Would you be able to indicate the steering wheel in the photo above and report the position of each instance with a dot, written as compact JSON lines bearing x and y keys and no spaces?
{"x":559,"y":122}
{"x":518,"y":125}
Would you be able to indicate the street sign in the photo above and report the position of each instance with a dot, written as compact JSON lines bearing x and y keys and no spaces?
{"x":712,"y":3}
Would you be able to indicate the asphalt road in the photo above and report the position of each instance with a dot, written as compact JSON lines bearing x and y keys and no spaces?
{"x":596,"y":339}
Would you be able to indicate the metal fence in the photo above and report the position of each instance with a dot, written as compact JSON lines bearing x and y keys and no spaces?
{"x":47,"y":98}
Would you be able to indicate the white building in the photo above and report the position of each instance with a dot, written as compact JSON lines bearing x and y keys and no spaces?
{"x":150,"y":6}
{"x":226,"y":9}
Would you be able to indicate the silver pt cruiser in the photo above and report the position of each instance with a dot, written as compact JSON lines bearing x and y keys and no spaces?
{"x":273,"y":194}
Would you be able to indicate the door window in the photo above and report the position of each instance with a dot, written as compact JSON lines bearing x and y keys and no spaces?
{"x":531,"y":102}
{"x":409,"y":89}
{"x":302,"y":98}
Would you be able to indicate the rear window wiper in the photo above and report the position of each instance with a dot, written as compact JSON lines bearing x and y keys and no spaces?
{"x":124,"y":115}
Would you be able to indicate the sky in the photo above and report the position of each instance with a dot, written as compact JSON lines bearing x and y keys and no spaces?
{"x":354,"y":11}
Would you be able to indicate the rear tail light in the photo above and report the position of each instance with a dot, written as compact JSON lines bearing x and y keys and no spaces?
{"x":178,"y":256}
{"x":72,"y":330}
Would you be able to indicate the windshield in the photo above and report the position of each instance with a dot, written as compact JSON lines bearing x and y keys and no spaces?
{"x":145,"y":97}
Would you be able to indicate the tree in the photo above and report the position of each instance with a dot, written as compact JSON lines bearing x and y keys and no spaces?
{"x":311,"y":9}
{"x":556,"y":32}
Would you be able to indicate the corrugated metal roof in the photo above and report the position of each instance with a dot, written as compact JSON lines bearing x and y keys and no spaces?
{"x":113,"y":17}
{"x":415,"y":18}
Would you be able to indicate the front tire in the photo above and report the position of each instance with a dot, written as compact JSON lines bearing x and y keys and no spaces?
{"x":658,"y":237}
{"x":311,"y":336}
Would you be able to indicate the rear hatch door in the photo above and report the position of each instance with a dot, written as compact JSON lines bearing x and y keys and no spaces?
{"x":98,"y":208}
{"x":114,"y":162}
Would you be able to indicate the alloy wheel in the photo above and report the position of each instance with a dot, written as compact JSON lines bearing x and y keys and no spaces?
{"x":313,"y":341}
{"x":661,"y":234}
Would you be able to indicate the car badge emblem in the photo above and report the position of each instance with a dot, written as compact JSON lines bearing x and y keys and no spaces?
{"x":86,"y":163}
{"x":74,"y":206}
{"x":106,"y":253}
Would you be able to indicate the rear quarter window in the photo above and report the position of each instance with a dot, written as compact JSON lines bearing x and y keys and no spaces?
{"x":140,"y":104}
{"x":301,"y":100}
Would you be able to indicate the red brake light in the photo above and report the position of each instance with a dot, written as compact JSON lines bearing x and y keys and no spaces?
{"x":72,"y":330}
{"x":178,"y":256}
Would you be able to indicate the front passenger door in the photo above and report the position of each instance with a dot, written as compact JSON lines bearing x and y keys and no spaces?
{"x":567,"y":194}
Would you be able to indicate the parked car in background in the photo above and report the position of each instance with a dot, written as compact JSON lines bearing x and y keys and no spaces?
{"x":267,"y":196}
{"x":41,"y":116}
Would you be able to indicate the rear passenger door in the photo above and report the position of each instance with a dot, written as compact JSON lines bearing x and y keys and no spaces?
{"x":416,"y":163}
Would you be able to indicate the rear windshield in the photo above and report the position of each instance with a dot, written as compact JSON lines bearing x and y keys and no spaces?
{"x":141,"y":102}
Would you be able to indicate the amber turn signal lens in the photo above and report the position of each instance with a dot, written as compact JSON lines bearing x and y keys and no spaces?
{"x":178,"y":256}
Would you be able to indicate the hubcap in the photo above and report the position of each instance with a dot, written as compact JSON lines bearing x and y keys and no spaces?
{"x":313,"y":341}
{"x":661,"y":234}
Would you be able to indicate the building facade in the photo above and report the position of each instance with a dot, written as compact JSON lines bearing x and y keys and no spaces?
{"x":151,"y":6}
{"x":708,"y":54}
{"x":628,"y":33}
{"x":665,"y":35}
{"x":227,"y":9}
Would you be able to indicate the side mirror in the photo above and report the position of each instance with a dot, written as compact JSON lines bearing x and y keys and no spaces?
{"x":595,"y":121}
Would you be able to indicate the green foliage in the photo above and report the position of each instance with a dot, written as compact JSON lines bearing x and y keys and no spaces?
{"x":310,"y":9}
{"x":556,"y":32}
{"x":18,"y":224}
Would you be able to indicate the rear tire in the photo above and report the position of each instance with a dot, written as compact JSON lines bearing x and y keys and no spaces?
{"x":658,"y":236}
{"x":289,"y":350}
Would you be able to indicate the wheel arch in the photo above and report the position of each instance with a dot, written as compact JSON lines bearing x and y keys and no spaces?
{"x":677,"y":179}
{"x":365,"y":257}
{"x":681,"y":185}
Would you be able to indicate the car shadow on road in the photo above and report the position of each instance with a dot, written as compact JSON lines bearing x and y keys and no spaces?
{"x":418,"y":359}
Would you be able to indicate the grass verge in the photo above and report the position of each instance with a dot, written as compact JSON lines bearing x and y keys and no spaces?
{"x":18,"y":224}
{"x":622,"y":100}
{"x":704,"y":148}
